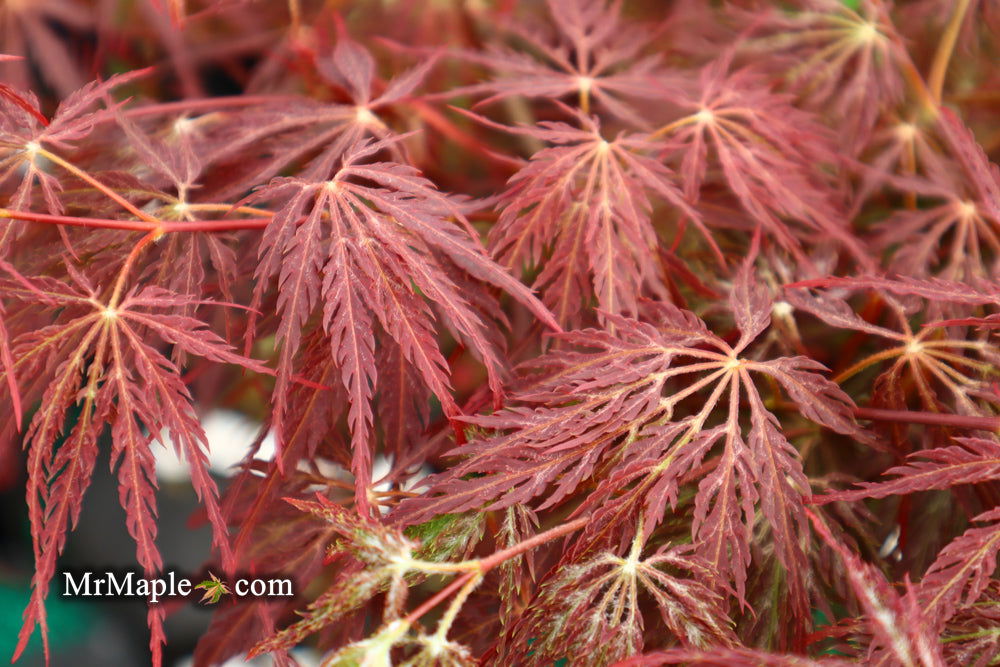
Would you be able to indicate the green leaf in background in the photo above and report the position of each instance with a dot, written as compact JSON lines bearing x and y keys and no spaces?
{"x":70,"y":622}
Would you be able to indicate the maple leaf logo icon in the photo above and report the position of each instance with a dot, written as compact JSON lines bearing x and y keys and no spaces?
{"x":214,"y":589}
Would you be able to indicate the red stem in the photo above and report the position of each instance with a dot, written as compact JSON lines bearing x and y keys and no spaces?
{"x":488,"y":563}
{"x":492,"y":561}
{"x":440,"y":597}
{"x":159,"y":226}
{"x":209,"y":103}
{"x":447,"y":128}
{"x":991,"y":424}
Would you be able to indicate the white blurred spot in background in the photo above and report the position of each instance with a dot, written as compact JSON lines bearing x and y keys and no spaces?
{"x":230,"y":434}
{"x":305,"y":657}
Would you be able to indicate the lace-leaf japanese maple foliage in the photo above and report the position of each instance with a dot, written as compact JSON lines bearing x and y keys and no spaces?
{"x":651,"y":332}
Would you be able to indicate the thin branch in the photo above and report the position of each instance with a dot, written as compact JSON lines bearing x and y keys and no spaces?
{"x":492,"y":561}
{"x":151,"y":225}
{"x":201,"y":104}
{"x":973,"y":422}
{"x":440,"y":596}
{"x":143,"y":243}
{"x":946,"y":47}
{"x":84,"y":176}
{"x":488,"y":563}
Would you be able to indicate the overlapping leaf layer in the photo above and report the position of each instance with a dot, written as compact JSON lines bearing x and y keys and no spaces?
{"x":598,"y":330}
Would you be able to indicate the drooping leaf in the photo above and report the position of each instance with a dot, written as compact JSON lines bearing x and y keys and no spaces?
{"x":363,"y":243}
{"x":900,"y":626}
{"x":755,"y":136}
{"x":581,"y":211}
{"x":610,"y":410}
{"x":100,"y":360}
{"x":962,"y":570}
{"x":591,"y":53}
{"x":592,"y":608}
{"x":971,"y":461}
